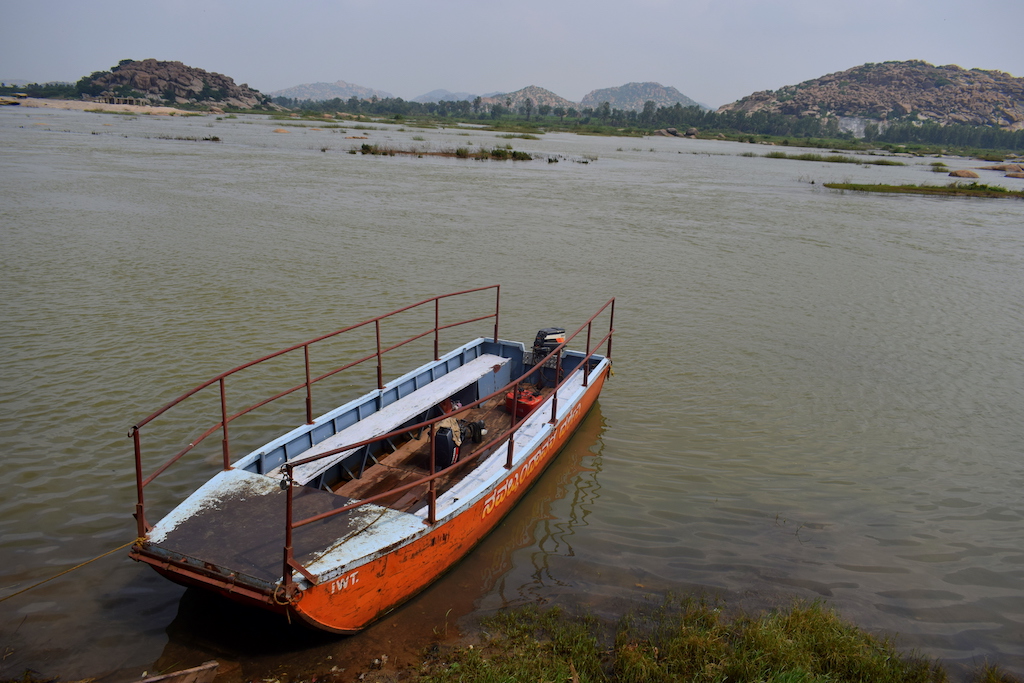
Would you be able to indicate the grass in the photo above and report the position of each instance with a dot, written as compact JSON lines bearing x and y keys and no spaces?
{"x":951,"y":190}
{"x":832,"y":158}
{"x":694,"y":640}
{"x":211,"y":138}
{"x":500,"y":153}
{"x":691,"y":640}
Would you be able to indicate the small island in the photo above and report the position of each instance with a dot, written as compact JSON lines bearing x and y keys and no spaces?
{"x":951,"y":190}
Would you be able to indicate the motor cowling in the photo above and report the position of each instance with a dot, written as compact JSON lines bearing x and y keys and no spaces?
{"x":547,"y":340}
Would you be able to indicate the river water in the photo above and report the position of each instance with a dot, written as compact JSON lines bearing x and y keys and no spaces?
{"x":817,"y":394}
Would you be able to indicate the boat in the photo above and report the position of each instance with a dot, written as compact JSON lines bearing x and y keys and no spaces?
{"x":346,"y":516}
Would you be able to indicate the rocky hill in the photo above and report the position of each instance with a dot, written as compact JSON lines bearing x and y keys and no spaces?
{"x":444,"y":96}
{"x":329,"y":91}
{"x":172,"y":83}
{"x":913,"y":90}
{"x":538,"y":95}
{"x":632,"y":96}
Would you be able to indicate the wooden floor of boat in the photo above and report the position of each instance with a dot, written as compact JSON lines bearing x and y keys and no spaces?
{"x":245,"y":533}
{"x":411,"y":461}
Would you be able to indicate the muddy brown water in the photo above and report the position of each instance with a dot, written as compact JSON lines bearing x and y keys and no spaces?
{"x":817,"y":394}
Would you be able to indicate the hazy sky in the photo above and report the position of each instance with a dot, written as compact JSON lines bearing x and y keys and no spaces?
{"x":713,"y":51}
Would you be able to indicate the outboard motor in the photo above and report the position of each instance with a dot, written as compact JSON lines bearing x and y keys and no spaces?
{"x":445,"y":450}
{"x":546,"y":341}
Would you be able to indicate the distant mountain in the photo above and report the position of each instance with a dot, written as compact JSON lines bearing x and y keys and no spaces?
{"x":632,"y":96}
{"x":912,"y":90}
{"x":328,"y":91}
{"x":538,"y":95}
{"x":445,"y":96}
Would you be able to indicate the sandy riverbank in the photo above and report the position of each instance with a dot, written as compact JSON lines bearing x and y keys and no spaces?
{"x":101,"y":106}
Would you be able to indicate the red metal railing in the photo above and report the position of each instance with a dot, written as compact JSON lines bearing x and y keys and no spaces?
{"x":135,"y":433}
{"x":290,"y":564}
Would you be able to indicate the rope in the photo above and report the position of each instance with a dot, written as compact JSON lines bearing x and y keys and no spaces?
{"x":77,"y":566}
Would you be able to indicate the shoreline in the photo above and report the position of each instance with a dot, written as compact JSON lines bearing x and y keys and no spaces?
{"x":40,"y":103}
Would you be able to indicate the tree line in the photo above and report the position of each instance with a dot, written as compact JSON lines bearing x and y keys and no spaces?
{"x":653,"y":117}
{"x":953,"y":135}
{"x":60,"y":91}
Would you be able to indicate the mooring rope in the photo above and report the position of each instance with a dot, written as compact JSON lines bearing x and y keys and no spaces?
{"x":77,"y":566}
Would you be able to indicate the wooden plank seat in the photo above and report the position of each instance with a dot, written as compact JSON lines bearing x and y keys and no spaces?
{"x":411,"y":461}
{"x":394,"y":415}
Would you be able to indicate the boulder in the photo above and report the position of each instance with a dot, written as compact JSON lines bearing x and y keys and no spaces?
{"x":963,"y":174}
{"x":1009,"y":168}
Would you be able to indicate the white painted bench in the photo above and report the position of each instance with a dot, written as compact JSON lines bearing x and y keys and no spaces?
{"x":393,"y":415}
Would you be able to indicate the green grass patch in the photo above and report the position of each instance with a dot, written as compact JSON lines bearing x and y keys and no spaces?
{"x":691,"y":640}
{"x":499,"y":153}
{"x":834,"y":159}
{"x":950,"y":190}
{"x":521,"y":136}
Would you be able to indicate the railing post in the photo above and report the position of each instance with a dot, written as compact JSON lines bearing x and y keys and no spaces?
{"x":437,"y":331}
{"x":497,"y":311}
{"x":225,"y":445}
{"x":512,"y":427}
{"x":431,"y":488}
{"x":309,"y":388}
{"x":611,"y":326}
{"x":380,"y":360}
{"x":586,"y":363}
{"x":554,"y":396}
{"x":140,"y":506}
{"x":286,"y":571}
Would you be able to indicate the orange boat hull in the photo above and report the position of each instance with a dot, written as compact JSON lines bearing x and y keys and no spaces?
{"x":351,"y":602}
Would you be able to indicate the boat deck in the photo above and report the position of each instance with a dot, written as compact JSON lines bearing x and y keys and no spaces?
{"x":411,"y":461}
{"x":234,"y":524}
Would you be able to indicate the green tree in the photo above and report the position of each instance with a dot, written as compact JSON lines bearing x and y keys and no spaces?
{"x":647,"y":115}
{"x":87,"y":85}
